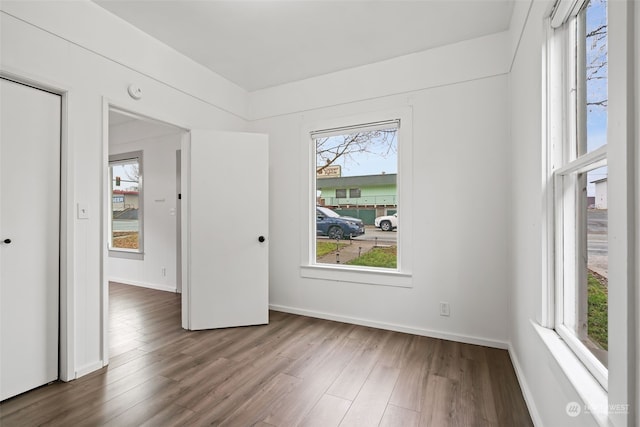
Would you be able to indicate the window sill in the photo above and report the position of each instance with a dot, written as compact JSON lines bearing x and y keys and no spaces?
{"x":368,"y":276}
{"x":594,"y":397}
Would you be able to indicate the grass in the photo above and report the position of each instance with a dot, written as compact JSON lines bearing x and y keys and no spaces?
{"x":597,"y":297}
{"x":378,"y":257}
{"x":125,"y":240}
{"x":325,"y":248}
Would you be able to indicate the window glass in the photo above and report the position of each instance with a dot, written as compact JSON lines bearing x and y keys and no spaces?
{"x":595,"y":278}
{"x":595,"y":72}
{"x":581,"y":197}
{"x":597,"y":266}
{"x":126,"y":218}
{"x":364,"y":160}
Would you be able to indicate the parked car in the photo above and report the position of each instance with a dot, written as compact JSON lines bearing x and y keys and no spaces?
{"x":329,"y":223}
{"x":387,"y":222}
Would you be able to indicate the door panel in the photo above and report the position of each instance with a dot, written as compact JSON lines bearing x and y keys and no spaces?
{"x":225,"y":211}
{"x":29,"y":217}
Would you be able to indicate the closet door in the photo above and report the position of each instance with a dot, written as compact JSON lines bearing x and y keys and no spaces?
{"x":29,"y":237}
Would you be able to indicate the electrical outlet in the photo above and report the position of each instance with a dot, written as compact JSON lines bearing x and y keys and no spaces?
{"x":444,"y":309}
{"x":164,"y":272}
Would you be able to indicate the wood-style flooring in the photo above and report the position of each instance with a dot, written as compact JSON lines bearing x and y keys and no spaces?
{"x":295,"y":371}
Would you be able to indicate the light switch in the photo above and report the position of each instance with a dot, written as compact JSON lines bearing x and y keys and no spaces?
{"x":83,"y":211}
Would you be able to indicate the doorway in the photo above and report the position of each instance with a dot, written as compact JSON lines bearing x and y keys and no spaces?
{"x":142,"y":207}
{"x":233,"y":295}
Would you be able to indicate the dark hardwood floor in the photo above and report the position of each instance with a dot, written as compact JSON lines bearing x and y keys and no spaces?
{"x":295,"y":371}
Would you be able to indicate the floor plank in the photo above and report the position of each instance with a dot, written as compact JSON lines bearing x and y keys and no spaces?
{"x":396,"y":416}
{"x":372,"y":400}
{"x":328,"y":412}
{"x":294,"y":371}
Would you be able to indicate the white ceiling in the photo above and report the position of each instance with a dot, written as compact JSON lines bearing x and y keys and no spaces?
{"x":264,"y":43}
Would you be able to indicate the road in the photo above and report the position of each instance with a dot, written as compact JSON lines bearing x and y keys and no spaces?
{"x":371,"y":233}
{"x":597,"y":241}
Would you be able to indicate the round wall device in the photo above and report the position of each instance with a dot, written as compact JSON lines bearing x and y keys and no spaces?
{"x":134,"y":91}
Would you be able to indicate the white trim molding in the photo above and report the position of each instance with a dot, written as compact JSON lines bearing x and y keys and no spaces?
{"x":466,"y":339}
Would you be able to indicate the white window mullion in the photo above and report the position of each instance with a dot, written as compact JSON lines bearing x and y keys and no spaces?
{"x":568,"y":236}
{"x":593,"y":160}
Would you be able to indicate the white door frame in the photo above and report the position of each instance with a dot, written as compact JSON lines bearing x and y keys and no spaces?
{"x":134,"y":109}
{"x":66,"y":336}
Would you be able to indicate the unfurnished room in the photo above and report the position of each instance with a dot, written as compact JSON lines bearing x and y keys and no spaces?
{"x":320,"y":213}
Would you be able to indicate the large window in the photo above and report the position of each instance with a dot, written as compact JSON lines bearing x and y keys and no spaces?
{"x":359,"y":173}
{"x":579,"y":174}
{"x":364,"y":158}
{"x":125,"y":175}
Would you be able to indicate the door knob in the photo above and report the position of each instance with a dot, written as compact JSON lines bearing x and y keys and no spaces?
{"x":7,"y":241}
{"x":261,"y":239}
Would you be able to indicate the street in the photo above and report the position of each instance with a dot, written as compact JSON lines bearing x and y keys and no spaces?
{"x":597,"y":241}
{"x":371,"y":233}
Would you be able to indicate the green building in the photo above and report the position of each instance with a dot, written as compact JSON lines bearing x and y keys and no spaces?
{"x":364,"y":197}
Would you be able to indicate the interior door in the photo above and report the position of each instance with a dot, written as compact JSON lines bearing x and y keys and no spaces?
{"x":225,"y":222}
{"x":29,"y":237}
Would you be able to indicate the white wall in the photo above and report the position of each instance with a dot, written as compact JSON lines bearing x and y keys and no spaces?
{"x":464,"y":61}
{"x":460,"y":148}
{"x":159,"y":209}
{"x":62,"y":59}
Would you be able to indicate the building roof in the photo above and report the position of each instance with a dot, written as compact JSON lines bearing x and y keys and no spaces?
{"x":357,"y":181}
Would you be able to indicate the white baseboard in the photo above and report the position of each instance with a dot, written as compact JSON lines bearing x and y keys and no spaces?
{"x":524,"y":386}
{"x":167,"y":288}
{"x":87,"y":369}
{"x":393,"y":327}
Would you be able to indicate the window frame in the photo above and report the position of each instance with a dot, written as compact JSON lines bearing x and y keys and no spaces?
{"x":564,"y":163}
{"x":400,"y":277}
{"x":623,"y":190}
{"x":568,"y":273}
{"x":124,"y":252}
{"x":355,"y":193}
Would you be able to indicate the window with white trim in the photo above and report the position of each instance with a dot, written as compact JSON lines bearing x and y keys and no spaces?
{"x":126,"y":203}
{"x":577,"y":96}
{"x":366,"y":156}
{"x":385,"y":186}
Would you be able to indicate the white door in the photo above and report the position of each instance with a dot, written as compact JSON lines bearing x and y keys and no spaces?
{"x":225,"y":230}
{"x":29,"y":237}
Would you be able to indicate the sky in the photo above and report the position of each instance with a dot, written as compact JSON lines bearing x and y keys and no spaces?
{"x":379,"y":160}
{"x":596,"y":88}
{"x":125,"y":177}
